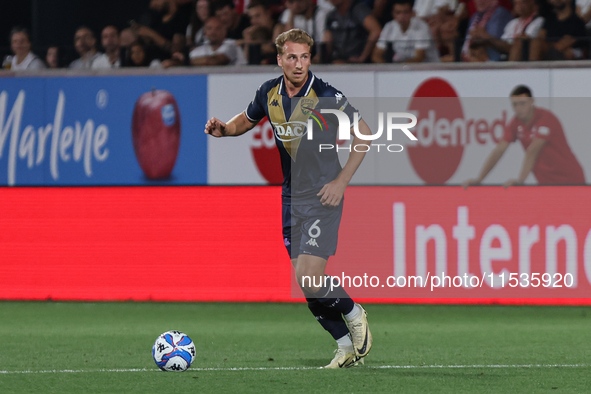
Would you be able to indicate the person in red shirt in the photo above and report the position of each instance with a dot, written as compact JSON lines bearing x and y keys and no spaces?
{"x":547,"y":153}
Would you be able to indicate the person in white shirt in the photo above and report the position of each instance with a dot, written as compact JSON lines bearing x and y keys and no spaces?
{"x":23,"y":58}
{"x":85,"y":45}
{"x":112,"y":56}
{"x":217,"y":50}
{"x":526,"y":26}
{"x":303,"y":15}
{"x":409,"y":35}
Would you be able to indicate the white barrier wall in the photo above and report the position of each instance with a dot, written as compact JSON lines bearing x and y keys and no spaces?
{"x":483,"y":96}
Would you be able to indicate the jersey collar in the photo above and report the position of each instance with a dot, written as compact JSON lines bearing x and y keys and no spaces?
{"x":303,"y":91}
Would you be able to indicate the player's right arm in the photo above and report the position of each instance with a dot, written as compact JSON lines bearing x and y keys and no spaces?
{"x":489,"y":164}
{"x":236,"y":126}
{"x":245,"y":120}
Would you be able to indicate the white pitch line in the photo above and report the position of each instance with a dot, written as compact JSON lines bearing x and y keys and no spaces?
{"x":301,"y":368}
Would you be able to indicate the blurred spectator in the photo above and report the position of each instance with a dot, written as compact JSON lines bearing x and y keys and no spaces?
{"x":409,"y":35}
{"x":431,"y":11}
{"x":517,"y":32}
{"x":218,"y":50}
{"x":520,"y":30}
{"x":304,"y":15}
{"x":472,"y":8}
{"x":444,"y":18}
{"x":85,"y":45}
{"x":111,"y":43}
{"x":351,"y":32}
{"x":450,"y":34}
{"x":325,"y":5}
{"x":202,"y":12}
{"x":23,"y":58}
{"x":233,"y":22}
{"x":164,"y":25}
{"x":562,"y":36}
{"x":257,"y":50}
{"x":138,"y":56}
{"x":127,"y":37}
{"x":261,"y":24}
{"x":488,"y":21}
{"x":52,"y":57}
{"x":260,"y":15}
{"x":426,"y":9}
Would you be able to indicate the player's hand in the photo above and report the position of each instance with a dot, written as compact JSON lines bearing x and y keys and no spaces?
{"x":332,"y":193}
{"x":215,"y":127}
{"x":512,"y":182}
{"x":470,"y":182}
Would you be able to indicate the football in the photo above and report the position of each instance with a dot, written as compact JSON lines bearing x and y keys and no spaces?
{"x":173,"y":351}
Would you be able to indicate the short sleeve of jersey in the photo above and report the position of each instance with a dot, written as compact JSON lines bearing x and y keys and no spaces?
{"x":256,"y":109}
{"x":340,"y":102}
{"x":547,"y":125}
{"x":510,"y":134}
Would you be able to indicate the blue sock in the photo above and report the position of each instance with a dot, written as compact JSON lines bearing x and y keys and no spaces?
{"x":329,"y":318}
{"x":335,"y":297}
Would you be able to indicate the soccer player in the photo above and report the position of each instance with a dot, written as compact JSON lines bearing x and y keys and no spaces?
{"x":313,"y":186}
{"x":547,"y":153}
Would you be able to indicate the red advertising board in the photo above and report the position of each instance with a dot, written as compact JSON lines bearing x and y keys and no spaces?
{"x":484,"y":242}
{"x":225,"y":243}
{"x":138,"y":243}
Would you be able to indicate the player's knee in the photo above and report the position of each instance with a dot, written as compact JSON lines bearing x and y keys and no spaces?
{"x":310,"y":272}
{"x":309,"y":280}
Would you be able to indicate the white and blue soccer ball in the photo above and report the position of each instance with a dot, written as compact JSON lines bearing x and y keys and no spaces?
{"x":173,"y":351}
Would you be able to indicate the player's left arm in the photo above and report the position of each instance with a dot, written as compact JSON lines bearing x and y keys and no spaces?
{"x":332,"y":193}
{"x":531,"y":156}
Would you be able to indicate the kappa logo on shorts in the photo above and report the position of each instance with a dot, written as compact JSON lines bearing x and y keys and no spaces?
{"x":312,"y":242}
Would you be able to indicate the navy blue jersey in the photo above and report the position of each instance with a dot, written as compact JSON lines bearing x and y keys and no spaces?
{"x":305,"y":169}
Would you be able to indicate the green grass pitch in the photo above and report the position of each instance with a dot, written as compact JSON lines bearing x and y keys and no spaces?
{"x":60,"y":347}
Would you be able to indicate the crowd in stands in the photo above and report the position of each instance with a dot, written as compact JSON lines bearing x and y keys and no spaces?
{"x":239,"y":32}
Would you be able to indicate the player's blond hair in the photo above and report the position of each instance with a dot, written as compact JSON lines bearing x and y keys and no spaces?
{"x":294,"y":35}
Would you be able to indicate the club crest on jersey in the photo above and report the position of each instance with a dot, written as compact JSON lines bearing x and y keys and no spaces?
{"x":290,"y":131}
{"x":306,"y":105}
